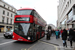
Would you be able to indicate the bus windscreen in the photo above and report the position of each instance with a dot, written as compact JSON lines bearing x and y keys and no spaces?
{"x":21,"y":28}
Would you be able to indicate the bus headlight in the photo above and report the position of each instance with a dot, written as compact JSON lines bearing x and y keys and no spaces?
{"x":28,"y":38}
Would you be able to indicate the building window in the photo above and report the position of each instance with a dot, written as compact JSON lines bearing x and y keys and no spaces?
{"x":63,"y":24}
{"x":2,"y":19}
{"x":11,"y":21}
{"x":7,"y":20}
{"x":7,"y":13}
{"x":8,"y":7}
{"x":11,"y":15}
{"x":66,"y":6}
{"x":70,"y":1}
{"x":3,"y":12}
{"x":70,"y":14}
{"x":4,"y":5}
{"x":12,"y":9}
{"x":14,"y":15}
{"x":73,"y":10}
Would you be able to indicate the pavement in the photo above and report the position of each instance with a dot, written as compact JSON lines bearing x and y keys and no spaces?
{"x":58,"y":43}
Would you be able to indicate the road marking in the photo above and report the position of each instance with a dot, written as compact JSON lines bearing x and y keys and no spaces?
{"x":32,"y":46}
{"x":6,"y":42}
{"x":45,"y":43}
{"x":23,"y":49}
{"x":50,"y":44}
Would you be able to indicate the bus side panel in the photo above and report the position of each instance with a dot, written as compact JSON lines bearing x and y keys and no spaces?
{"x":19,"y":38}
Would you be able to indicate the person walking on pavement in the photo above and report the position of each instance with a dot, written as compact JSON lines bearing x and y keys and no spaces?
{"x":74,"y":34}
{"x":49,"y":33}
{"x":56,"y":32}
{"x":52,"y":32}
{"x":61,"y":31}
{"x":64,"y":37}
{"x":71,"y":36}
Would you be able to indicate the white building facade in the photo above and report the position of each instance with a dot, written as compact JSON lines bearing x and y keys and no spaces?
{"x":7,"y":13}
{"x":66,"y":14}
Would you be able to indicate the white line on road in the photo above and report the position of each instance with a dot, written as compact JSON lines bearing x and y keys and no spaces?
{"x":7,"y":42}
{"x":32,"y":46}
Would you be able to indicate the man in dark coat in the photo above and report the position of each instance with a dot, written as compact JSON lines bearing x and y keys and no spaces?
{"x":64,"y":37}
{"x":49,"y":33}
{"x":74,"y":35}
{"x":71,"y":36}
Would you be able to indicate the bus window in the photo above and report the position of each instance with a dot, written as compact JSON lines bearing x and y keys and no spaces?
{"x":23,"y":12}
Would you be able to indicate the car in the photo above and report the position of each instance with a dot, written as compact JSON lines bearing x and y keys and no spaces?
{"x":8,"y":34}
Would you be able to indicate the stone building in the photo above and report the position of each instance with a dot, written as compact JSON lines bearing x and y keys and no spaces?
{"x":7,"y":13}
{"x":66,"y":14}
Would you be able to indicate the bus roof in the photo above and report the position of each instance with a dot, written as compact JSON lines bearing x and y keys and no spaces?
{"x":26,"y":9}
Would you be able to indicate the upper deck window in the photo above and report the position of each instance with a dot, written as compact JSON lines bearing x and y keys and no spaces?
{"x":23,"y":12}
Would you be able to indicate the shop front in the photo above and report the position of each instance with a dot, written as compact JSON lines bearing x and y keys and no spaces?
{"x":1,"y":28}
{"x":71,"y":22}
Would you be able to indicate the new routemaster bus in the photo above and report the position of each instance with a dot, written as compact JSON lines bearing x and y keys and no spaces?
{"x":29,"y":26}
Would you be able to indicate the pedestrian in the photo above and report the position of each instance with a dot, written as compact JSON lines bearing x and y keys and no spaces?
{"x":74,"y":34}
{"x":52,"y":32}
{"x":64,"y":37}
{"x":71,"y":36}
{"x":61,"y":31}
{"x":56,"y":33}
{"x":49,"y":33}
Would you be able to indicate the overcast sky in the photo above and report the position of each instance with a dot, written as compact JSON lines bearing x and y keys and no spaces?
{"x":47,"y":9}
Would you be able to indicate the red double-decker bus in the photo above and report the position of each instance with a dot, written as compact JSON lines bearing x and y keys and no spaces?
{"x":29,"y":26}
